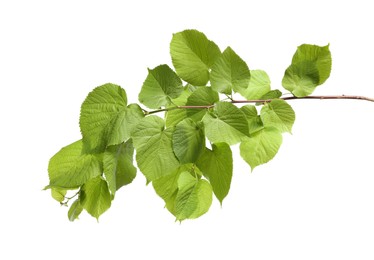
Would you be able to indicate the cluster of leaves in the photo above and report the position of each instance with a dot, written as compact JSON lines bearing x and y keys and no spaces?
{"x":186,"y":155}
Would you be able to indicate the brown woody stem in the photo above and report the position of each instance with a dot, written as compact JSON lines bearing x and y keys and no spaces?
{"x":262,"y":101}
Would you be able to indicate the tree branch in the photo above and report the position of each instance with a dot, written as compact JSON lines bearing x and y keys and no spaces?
{"x":261,"y":101}
{"x":308,"y":97}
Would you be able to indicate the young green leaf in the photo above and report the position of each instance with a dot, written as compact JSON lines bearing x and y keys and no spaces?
{"x":258,"y":85}
{"x":193,"y":55}
{"x":118,"y":165}
{"x":95,"y":196}
{"x":75,"y":210}
{"x":279,"y":114}
{"x":105,"y":119}
{"x":203,"y":96}
{"x":70,"y":167}
{"x":216,"y":165}
{"x":261,"y":147}
{"x":229,"y":73}
{"x":154,"y":150}
{"x":226,"y":124}
{"x":311,"y":66}
{"x":194,"y":197}
{"x":161,"y":85}
{"x":58,"y":194}
{"x":254,"y":120}
{"x":188,"y":141}
{"x":272,"y":94}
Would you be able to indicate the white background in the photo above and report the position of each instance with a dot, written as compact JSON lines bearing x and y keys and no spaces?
{"x":315,"y":200}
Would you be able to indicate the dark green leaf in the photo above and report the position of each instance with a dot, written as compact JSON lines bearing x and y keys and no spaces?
{"x":254,"y":120}
{"x":217,"y":166}
{"x":188,"y":141}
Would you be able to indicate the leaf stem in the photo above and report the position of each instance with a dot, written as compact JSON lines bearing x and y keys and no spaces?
{"x":261,"y":101}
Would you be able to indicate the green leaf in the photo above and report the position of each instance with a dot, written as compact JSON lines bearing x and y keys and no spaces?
{"x":272,"y":94}
{"x":105,"y":119}
{"x":203,"y":96}
{"x":118,"y":165}
{"x":217,"y":166}
{"x":154,"y":152}
{"x":279,"y":114}
{"x":261,"y":147}
{"x":70,"y":167}
{"x":194,"y":197}
{"x":254,"y":120}
{"x":311,"y":66}
{"x":321,"y":56}
{"x":229,"y":72}
{"x":258,"y":85}
{"x":193,"y":55}
{"x":225,"y":124}
{"x":301,"y":78}
{"x":188,"y":141}
{"x":174,"y":116}
{"x":75,"y":210}
{"x":58,"y":194}
{"x":167,"y":186}
{"x":161,"y":85}
{"x":95,"y":197}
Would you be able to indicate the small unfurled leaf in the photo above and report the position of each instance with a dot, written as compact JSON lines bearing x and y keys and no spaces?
{"x":95,"y":196}
{"x":225,"y":124}
{"x":272,"y":94}
{"x":188,"y":141}
{"x":279,"y":114}
{"x":261,"y":147}
{"x":118,"y":165}
{"x":193,"y":55}
{"x":75,"y":210}
{"x":58,"y":194}
{"x":258,"y":85}
{"x":216,"y":165}
{"x":229,"y":73}
{"x":154,"y":151}
{"x":311,"y":66}
{"x":105,"y":118}
{"x":70,"y":167}
{"x":161,"y":85}
{"x":194,"y":197}
{"x":203,"y":96}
